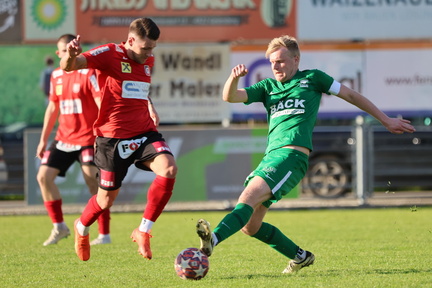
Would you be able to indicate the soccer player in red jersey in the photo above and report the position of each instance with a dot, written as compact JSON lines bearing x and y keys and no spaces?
{"x":126,"y":129}
{"x":74,"y":100}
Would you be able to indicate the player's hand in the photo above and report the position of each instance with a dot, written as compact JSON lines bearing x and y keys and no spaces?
{"x":74,"y":47}
{"x":399,"y":126}
{"x":239,"y":71}
{"x":40,"y":150}
{"x":153,"y":114}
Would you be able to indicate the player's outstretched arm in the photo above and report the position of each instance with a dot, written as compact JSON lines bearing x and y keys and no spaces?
{"x":394,"y":125}
{"x":73,"y":60}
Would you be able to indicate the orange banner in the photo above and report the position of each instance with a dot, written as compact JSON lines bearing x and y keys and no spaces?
{"x":188,"y":20}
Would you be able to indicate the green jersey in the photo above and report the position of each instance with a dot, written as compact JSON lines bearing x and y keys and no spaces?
{"x":292,"y":106}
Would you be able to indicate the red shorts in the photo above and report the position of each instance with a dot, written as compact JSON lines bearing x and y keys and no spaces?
{"x":62,"y":160}
{"x":114,"y":156}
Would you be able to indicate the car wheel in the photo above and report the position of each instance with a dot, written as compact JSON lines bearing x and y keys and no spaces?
{"x":327,"y":177}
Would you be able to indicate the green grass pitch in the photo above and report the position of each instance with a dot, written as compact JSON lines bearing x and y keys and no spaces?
{"x":353,"y":247}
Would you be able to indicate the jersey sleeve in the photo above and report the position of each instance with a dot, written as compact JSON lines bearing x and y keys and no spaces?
{"x":55,"y":90}
{"x":256,"y":92}
{"x":94,"y":84}
{"x":325,"y":82}
{"x":99,"y":57}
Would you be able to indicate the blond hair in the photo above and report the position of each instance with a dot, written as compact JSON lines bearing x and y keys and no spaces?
{"x":286,"y":41}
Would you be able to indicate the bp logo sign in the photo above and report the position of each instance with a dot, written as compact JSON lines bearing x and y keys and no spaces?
{"x":49,"y":14}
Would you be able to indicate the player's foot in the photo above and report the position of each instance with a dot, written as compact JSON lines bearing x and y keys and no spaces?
{"x":101,"y":239}
{"x":143,"y":241}
{"x":204,"y":232}
{"x":56,"y":236}
{"x":82,"y":244}
{"x":294,"y":266}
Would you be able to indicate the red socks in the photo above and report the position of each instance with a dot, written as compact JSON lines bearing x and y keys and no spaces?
{"x":104,"y":222}
{"x":54,"y":209}
{"x":91,"y":212}
{"x":158,"y":195}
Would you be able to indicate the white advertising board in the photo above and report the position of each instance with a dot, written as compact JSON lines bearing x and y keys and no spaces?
{"x":187,"y":82}
{"x":346,"y":20}
{"x":396,"y":80}
{"x":344,"y":66}
{"x":400,"y":80}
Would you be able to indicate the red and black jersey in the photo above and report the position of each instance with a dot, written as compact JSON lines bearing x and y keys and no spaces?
{"x":125,"y":86}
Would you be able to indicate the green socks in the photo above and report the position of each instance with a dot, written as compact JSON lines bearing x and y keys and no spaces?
{"x":233,"y":221}
{"x":269,"y":234}
{"x":273,"y":237}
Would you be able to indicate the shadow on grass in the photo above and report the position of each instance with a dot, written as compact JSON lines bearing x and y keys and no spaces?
{"x":332,"y":273}
{"x":398,"y":271}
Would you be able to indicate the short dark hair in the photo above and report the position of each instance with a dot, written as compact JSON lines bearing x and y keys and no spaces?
{"x":66,"y":38}
{"x":145,"y":27}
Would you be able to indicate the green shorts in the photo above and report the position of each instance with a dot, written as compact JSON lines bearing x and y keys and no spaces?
{"x":282,"y":169}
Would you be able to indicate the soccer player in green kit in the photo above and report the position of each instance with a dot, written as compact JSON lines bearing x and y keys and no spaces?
{"x":292,"y":101}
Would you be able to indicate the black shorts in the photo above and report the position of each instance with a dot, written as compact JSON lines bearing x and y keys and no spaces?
{"x":62,"y":160}
{"x":114,"y":156}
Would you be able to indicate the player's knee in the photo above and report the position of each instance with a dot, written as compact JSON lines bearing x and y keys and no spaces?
{"x":105,"y":204}
{"x":170,"y":171}
{"x":42,"y":178}
{"x":249,"y":231}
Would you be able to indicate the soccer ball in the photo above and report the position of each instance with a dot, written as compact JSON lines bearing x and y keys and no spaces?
{"x":191,"y":264}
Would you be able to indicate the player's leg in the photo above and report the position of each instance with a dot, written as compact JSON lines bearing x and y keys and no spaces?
{"x":94,"y":208}
{"x":53,"y":203}
{"x":54,"y":163}
{"x":256,"y":192}
{"x":89,"y":174}
{"x":287,"y":175}
{"x":269,"y":234}
{"x":158,"y":195}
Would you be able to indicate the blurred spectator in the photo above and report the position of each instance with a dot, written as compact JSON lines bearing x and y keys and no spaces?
{"x":44,"y":81}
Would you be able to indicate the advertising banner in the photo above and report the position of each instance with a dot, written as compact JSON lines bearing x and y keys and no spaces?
{"x":45,"y":21}
{"x":344,"y":66}
{"x":400,"y":80}
{"x":10,"y":21}
{"x":187,"y":20}
{"x":356,"y":20}
{"x":397,"y":78}
{"x":212,"y":165}
{"x":187,"y":82}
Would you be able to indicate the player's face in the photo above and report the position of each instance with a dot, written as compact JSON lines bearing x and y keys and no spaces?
{"x":141,"y":49}
{"x":61,"y":49}
{"x":284,"y":66}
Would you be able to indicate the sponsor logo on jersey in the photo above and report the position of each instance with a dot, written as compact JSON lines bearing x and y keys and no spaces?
{"x":59,"y":89}
{"x":71,"y":106}
{"x":288,"y":107}
{"x":126,"y":67}
{"x":107,"y":178}
{"x":87,"y":155}
{"x":118,"y":49}
{"x":161,"y":146}
{"x":99,"y":50}
{"x":127,"y":147}
{"x":66,"y":147}
{"x":135,"y":90}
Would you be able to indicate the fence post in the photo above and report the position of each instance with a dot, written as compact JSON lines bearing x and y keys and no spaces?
{"x":363,"y":160}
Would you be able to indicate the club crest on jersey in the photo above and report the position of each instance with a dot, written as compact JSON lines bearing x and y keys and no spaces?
{"x":126,"y":67}
{"x":304,"y":83}
{"x":147,"y":70}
